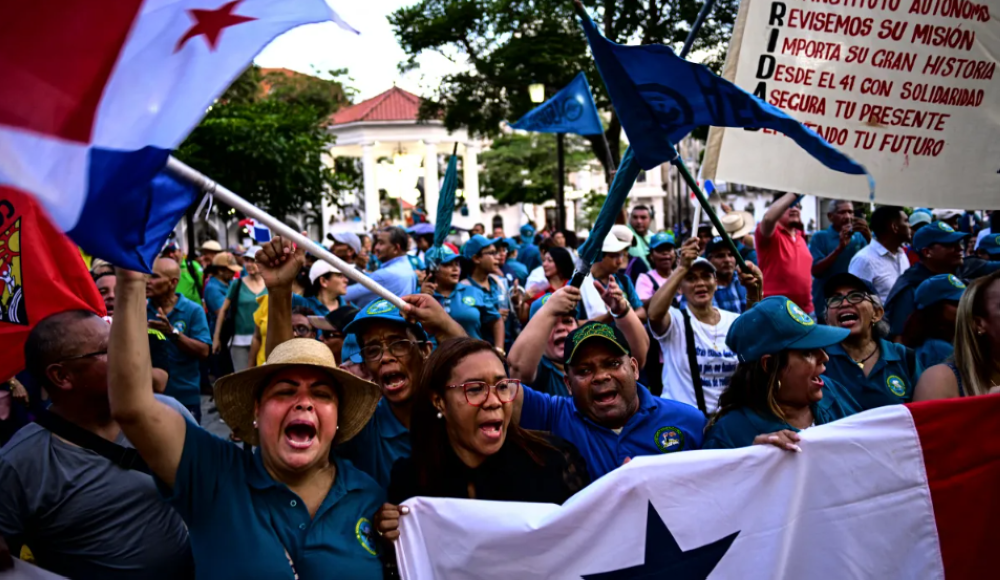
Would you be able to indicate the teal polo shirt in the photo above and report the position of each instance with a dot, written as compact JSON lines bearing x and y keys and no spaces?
{"x":313,"y":303}
{"x":932,"y":352}
{"x":658,"y":426}
{"x":889,"y":383}
{"x":382,"y":442}
{"x":184,"y":382}
{"x":495,"y":292}
{"x":739,"y":428}
{"x":549,"y":379}
{"x":471,"y":308}
{"x":242,"y":521}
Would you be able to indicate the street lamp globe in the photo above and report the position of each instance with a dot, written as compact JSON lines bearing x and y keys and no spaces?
{"x":537,"y":92}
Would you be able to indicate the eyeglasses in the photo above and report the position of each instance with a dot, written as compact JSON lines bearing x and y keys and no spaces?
{"x":82,"y":356}
{"x":837,"y":300}
{"x":301,"y":330}
{"x":374,"y":352}
{"x":488,"y":253}
{"x":478,"y":392}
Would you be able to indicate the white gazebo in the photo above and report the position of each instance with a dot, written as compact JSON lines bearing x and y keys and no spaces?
{"x":396,"y":149}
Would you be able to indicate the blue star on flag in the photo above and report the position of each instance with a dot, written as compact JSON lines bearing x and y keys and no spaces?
{"x":665,"y":559}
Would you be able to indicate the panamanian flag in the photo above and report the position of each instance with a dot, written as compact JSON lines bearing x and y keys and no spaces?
{"x":901,"y":492}
{"x":96,"y":94}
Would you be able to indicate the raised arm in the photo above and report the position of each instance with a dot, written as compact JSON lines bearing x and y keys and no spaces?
{"x":426,"y":310}
{"x":156,"y":430}
{"x":774,"y":213}
{"x":659,"y":306}
{"x":627,"y":319}
{"x":279,"y":262}
{"x":528,"y":349}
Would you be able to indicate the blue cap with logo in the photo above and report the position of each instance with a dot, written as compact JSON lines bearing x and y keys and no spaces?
{"x":528,"y":230}
{"x":475,"y":245}
{"x":851,"y":281}
{"x":936,"y":233}
{"x":437,"y":256}
{"x":662,"y":239}
{"x":990,"y":243}
{"x":776,"y":324}
{"x":382,"y":309}
{"x":937,"y":289}
{"x":351,"y":350}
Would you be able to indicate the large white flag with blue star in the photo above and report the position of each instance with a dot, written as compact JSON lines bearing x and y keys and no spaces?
{"x":899,"y":492}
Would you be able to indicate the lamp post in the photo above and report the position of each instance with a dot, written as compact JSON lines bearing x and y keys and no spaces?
{"x":536,"y":92}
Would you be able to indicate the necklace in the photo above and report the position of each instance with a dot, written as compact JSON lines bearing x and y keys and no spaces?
{"x":861,"y":363}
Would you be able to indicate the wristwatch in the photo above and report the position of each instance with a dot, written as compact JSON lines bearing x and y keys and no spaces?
{"x":175,"y":334}
{"x":624,"y":312}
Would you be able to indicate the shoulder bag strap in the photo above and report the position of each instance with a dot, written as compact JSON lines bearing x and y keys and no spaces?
{"x":124,"y":457}
{"x":699,"y":391}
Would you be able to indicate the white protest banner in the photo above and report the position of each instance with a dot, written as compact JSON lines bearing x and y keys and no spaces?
{"x":908,"y":88}
{"x":899,"y":492}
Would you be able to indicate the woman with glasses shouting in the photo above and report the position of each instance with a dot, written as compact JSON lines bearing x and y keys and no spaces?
{"x":875,"y":371}
{"x":465,"y":445}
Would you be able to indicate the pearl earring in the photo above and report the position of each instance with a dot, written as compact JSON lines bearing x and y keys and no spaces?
{"x":255,"y":423}
{"x":440,"y":416}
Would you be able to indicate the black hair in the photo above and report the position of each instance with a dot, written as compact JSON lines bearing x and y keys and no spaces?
{"x":51,"y":340}
{"x":545,"y":244}
{"x":644,"y":208}
{"x":398,"y":237}
{"x":752,"y":386}
{"x":563,"y":261}
{"x":883,"y":217}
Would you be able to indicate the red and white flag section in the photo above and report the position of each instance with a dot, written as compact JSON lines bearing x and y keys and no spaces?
{"x":899,"y":492}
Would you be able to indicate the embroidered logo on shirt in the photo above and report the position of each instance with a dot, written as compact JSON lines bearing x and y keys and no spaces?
{"x":798,"y":315}
{"x":955,"y":281}
{"x":181,"y":326}
{"x":364,"y":532}
{"x":380,"y":307}
{"x":669,"y":439}
{"x":469,"y":301}
{"x":896,"y":385}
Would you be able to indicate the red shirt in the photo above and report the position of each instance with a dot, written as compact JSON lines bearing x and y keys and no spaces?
{"x":787,"y":266}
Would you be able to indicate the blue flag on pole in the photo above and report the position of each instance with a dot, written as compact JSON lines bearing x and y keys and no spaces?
{"x":661,"y":97}
{"x":571,"y":110}
{"x":628,"y":172}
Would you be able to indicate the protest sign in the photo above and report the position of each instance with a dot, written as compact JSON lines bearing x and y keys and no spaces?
{"x":908,"y":88}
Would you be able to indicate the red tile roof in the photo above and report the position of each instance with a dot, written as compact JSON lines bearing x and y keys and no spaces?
{"x":392,"y":105}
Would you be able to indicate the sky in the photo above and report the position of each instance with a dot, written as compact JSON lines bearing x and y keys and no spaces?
{"x":371,"y":57}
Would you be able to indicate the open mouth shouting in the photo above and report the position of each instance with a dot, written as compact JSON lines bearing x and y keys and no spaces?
{"x":393,"y":381}
{"x":492,"y":430}
{"x":848,"y":319}
{"x":300,"y":433}
{"x":606,"y":398}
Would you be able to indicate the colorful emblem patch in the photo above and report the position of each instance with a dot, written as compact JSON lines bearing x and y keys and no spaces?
{"x":945,"y":227}
{"x":896,"y":385}
{"x":363,"y":531}
{"x":12,"y":309}
{"x":798,"y":315}
{"x":669,"y":439}
{"x":955,"y":281}
{"x":468,"y":300}
{"x":380,"y":307}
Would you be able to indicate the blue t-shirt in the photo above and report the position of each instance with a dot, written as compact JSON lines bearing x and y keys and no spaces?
{"x":382,"y":442}
{"x":549,"y":379}
{"x":658,"y":426}
{"x":242,"y":522}
{"x":515,"y":270}
{"x":890,"y":381}
{"x":495,"y":292}
{"x":184,"y":383}
{"x":739,"y":428}
{"x":529,"y":255}
{"x":215,"y":295}
{"x":823,"y":243}
{"x":470,"y":308}
{"x":932,"y":352}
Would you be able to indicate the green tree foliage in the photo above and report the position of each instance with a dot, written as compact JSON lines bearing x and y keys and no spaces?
{"x":266,"y":139}
{"x":523,"y":167}
{"x":510,"y":44}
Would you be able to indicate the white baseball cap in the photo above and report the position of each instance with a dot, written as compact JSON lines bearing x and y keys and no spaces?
{"x":318,"y":269}
{"x":618,"y":239}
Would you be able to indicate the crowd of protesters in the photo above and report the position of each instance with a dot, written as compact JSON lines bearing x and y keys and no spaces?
{"x":499,"y":380}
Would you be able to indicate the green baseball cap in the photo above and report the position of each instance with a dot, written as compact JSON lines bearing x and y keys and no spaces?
{"x":592,"y":331}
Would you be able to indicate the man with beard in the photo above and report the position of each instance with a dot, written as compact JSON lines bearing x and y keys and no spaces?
{"x":536,"y":358}
{"x":784,"y":255}
{"x":610,"y":418}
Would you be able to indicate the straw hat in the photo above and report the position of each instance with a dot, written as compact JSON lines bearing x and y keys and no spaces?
{"x":234,"y":394}
{"x":737,"y":223}
{"x":211,"y":246}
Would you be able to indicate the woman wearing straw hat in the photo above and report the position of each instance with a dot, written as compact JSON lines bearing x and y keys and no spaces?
{"x":286,"y":509}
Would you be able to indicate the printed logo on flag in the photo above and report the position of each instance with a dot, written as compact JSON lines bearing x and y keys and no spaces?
{"x":896,"y":385}
{"x":363,"y":532}
{"x":12,"y":309}
{"x":669,"y":439}
{"x":469,"y":301}
{"x":798,"y":315}
{"x":955,"y":281}
{"x":380,"y":307}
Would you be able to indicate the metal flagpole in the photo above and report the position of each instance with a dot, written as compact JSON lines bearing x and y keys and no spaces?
{"x":184,"y":173}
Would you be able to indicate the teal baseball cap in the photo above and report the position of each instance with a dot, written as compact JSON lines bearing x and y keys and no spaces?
{"x":662,"y":239}
{"x":437,"y":256}
{"x":537,"y":305}
{"x":527,"y":230}
{"x":476,"y":244}
{"x":382,"y":309}
{"x":990,"y":243}
{"x":937,"y":289}
{"x":776,"y":324}
{"x":936,"y":233}
{"x":511,"y":243}
{"x":351,"y":350}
